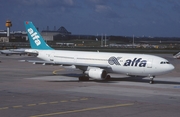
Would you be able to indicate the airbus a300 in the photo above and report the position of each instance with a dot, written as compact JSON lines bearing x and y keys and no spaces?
{"x":98,"y":65}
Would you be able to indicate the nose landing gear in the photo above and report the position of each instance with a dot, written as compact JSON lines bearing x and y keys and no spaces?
{"x":151,"y":79}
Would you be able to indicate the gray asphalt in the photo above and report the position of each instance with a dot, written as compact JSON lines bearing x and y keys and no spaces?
{"x":28,"y":90}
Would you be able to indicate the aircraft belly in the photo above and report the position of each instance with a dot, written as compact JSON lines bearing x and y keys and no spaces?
{"x":136,"y":71}
{"x":130,"y":70}
{"x":119,"y":69}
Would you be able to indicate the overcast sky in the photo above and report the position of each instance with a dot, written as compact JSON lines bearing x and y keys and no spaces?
{"x":110,"y":17}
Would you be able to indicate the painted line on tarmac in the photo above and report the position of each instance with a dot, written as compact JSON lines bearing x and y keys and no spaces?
{"x":84,"y":99}
{"x":74,"y":100}
{"x":83,"y":110}
{"x":64,"y":101}
{"x":4,"y":108}
{"x":43,"y":103}
{"x":55,"y":102}
{"x":19,"y":106}
{"x":55,"y":71}
{"x":31,"y":104}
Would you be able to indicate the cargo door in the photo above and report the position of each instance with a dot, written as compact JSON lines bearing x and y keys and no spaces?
{"x":51,"y":56}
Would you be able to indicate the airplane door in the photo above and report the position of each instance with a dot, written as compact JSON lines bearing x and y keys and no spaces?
{"x":50,"y":56}
{"x":75,"y":58}
{"x":149,"y":63}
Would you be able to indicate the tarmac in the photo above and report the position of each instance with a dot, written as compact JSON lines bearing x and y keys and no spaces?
{"x":28,"y":90}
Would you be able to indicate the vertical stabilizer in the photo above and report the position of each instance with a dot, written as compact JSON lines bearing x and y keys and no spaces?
{"x":35,"y":39}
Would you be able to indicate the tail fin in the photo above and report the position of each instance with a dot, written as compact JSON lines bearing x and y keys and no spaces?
{"x":35,"y":39}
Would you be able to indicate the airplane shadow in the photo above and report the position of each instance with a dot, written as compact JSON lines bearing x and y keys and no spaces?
{"x":139,"y":79}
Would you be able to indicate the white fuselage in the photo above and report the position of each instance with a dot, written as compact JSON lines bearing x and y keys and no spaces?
{"x":130,"y":64}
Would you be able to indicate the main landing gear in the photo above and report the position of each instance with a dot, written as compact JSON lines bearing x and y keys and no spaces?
{"x":83,"y":78}
{"x":151,"y":79}
{"x":108,"y":77}
{"x":86,"y":78}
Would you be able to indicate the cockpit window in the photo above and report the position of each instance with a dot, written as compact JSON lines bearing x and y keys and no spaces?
{"x":164,"y":62}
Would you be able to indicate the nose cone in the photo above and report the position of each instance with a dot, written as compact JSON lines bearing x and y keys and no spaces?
{"x":168,"y":68}
{"x":171,"y":67}
{"x":164,"y":68}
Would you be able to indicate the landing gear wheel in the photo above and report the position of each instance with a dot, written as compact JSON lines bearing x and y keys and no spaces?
{"x":80,"y":78}
{"x":151,"y":80}
{"x":108,"y":77}
{"x":83,"y":78}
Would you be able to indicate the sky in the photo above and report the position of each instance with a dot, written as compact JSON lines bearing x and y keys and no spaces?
{"x":154,"y":18}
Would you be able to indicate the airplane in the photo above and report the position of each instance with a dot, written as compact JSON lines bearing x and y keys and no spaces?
{"x":8,"y":52}
{"x":176,"y":55}
{"x":97,"y":65}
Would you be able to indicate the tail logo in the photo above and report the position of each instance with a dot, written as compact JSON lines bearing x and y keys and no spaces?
{"x":34,"y":36}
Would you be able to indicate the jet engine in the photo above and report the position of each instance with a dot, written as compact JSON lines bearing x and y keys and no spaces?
{"x":97,"y":73}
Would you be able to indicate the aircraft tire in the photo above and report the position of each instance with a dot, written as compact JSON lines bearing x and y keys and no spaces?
{"x":151,"y":82}
{"x":83,"y":78}
{"x":108,"y":77}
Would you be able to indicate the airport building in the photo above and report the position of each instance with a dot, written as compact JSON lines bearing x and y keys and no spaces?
{"x":15,"y":36}
{"x":49,"y":35}
{"x":20,"y":36}
{"x":63,"y":37}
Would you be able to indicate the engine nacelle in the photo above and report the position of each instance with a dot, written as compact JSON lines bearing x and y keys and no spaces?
{"x":97,"y":73}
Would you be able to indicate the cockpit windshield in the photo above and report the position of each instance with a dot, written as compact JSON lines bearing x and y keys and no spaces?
{"x":164,"y":62}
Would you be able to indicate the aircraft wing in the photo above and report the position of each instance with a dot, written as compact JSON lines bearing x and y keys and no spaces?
{"x":77,"y":65}
{"x":13,"y":51}
{"x":39,"y":62}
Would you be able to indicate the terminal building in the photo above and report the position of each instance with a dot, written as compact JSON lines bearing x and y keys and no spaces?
{"x":49,"y":35}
